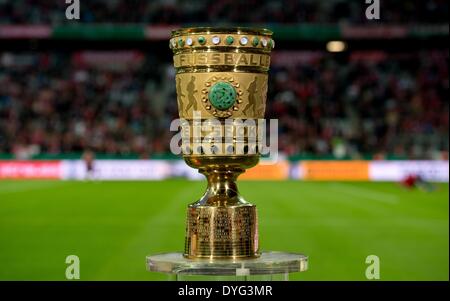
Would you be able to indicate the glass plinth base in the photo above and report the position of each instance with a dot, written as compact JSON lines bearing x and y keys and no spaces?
{"x":269,"y":266}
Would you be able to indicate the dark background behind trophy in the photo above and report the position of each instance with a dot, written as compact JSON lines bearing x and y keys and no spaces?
{"x":105,"y":83}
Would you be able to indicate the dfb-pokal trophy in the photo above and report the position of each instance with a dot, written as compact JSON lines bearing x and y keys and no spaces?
{"x":221,"y":85}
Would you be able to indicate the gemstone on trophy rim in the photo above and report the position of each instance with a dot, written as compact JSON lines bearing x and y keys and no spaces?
{"x":174,"y":43}
{"x":201,"y":40}
{"x":255,"y":41}
{"x":215,"y":40}
{"x":243,"y":41}
{"x":272,"y":43}
{"x":230,"y":149}
{"x":222,"y":95}
{"x":180,"y":42}
{"x":229,"y":40}
{"x":189,"y":41}
{"x":264,"y":42}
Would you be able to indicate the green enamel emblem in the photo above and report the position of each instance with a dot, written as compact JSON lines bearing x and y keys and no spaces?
{"x":222,"y":95}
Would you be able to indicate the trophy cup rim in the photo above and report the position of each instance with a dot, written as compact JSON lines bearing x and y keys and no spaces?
{"x":232,"y":30}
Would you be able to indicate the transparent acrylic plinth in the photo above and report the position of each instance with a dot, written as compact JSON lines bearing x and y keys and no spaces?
{"x":268,"y":266}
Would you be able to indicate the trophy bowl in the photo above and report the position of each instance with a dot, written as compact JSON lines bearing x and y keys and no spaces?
{"x":221,"y":85}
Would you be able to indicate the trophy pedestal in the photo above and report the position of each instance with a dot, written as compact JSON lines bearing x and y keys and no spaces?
{"x":268,"y":266}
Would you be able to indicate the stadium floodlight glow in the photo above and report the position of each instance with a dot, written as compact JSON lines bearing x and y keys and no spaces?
{"x":223,"y":76}
{"x":336,"y":46}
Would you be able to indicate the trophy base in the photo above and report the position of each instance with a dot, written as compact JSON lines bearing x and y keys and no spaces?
{"x":269,"y":266}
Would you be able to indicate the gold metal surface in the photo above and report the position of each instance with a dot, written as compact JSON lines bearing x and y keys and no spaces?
{"x":207,"y":30}
{"x":212,"y":59}
{"x":221,"y":74}
{"x":221,"y":232}
{"x":236,"y":138}
{"x":221,"y":224}
{"x":192,"y":93}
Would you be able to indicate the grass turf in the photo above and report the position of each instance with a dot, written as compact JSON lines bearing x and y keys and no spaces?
{"x":112,"y":226}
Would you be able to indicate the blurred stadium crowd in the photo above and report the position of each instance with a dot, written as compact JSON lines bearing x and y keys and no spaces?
{"x":363,"y":103}
{"x":357,"y":104}
{"x":221,"y":11}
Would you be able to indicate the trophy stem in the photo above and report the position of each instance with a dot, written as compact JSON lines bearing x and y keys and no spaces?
{"x":222,"y":188}
{"x":221,"y":224}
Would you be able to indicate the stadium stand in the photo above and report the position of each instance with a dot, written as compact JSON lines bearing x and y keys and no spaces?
{"x":366,"y":103}
{"x":221,"y":11}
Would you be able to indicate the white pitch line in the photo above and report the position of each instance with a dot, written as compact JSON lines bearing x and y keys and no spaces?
{"x":365,"y":193}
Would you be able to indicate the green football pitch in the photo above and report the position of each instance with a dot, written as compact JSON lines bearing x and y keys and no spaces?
{"x":112,"y":226}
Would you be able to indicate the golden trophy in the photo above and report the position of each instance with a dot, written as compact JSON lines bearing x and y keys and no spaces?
{"x":221,"y":85}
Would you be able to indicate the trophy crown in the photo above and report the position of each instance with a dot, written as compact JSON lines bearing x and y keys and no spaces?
{"x":236,"y":39}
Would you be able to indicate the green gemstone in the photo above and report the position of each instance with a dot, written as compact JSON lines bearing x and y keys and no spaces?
{"x":255,"y":41}
{"x":181,"y":42}
{"x":201,"y":40}
{"x":222,"y":96}
{"x":229,"y":40}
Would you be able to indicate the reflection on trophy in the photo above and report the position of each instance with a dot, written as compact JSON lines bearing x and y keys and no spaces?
{"x":221,"y":85}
